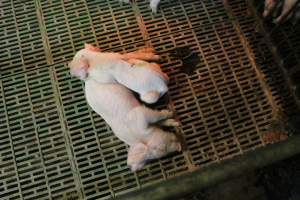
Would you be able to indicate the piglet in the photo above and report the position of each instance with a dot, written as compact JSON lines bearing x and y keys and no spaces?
{"x":129,"y":69}
{"x":132,"y":123}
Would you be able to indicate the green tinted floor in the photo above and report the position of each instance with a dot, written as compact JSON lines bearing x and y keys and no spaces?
{"x":53,"y":146}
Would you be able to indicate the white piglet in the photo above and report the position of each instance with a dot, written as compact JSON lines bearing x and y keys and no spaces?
{"x":130,"y":70}
{"x":132,"y":123}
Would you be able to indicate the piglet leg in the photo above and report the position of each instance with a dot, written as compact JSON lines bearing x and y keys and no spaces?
{"x":169,"y":122}
{"x":146,"y":56}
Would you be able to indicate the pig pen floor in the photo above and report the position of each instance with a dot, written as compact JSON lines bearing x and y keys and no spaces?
{"x":53,"y":146}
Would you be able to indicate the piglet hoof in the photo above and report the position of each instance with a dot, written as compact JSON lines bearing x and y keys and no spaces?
{"x":167,"y":113}
{"x":147,"y":50}
{"x":153,"y":7}
{"x":170,"y":122}
{"x":154,"y":10}
{"x":156,"y":57}
{"x":178,"y":147}
{"x":150,"y":97}
{"x":135,"y":167}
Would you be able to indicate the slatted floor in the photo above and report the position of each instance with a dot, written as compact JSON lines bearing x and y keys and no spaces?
{"x":53,"y":146}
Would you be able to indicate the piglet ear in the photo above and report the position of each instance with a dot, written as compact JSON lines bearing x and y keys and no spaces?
{"x":178,"y":147}
{"x":79,"y":68}
{"x":91,"y":47}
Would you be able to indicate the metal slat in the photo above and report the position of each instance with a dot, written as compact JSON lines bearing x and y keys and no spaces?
{"x":55,"y":146}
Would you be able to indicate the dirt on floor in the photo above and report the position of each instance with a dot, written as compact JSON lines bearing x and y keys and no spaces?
{"x":280,"y":181}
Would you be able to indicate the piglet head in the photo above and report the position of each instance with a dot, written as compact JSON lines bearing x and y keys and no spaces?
{"x":137,"y":156}
{"x":160,"y":144}
{"x":91,"y":47}
{"x":164,"y":144}
{"x":80,"y":64}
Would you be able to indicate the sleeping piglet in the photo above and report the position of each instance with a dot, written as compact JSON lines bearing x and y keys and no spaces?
{"x":132,"y":122}
{"x":131,"y":70}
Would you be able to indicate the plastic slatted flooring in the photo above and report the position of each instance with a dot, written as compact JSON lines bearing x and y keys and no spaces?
{"x":52,"y":146}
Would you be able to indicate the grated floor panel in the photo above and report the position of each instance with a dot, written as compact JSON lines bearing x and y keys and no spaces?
{"x":53,"y":146}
